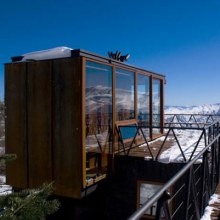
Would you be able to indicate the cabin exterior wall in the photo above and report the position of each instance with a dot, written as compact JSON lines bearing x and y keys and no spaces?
{"x":47,"y":122}
{"x":44,"y":124}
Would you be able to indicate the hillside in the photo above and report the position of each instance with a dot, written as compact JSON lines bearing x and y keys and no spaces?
{"x":201,"y":109}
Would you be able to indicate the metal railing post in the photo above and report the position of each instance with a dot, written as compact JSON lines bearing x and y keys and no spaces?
{"x":188,"y":194}
{"x":204,"y":183}
{"x":162,"y":205}
{"x":195,"y":196}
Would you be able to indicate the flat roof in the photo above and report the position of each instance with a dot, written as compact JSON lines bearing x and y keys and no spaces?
{"x":80,"y":52}
{"x":65,"y":52}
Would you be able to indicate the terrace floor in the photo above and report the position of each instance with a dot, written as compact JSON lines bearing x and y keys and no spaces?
{"x":142,"y":150}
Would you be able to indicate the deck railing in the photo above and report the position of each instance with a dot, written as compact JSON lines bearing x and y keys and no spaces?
{"x":190,"y":120}
{"x":198,"y":177}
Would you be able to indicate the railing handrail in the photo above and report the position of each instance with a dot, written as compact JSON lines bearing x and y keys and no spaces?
{"x":197,"y":114}
{"x":138,"y":214}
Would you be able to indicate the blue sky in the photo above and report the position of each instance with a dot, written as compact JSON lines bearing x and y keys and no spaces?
{"x":177,"y":38}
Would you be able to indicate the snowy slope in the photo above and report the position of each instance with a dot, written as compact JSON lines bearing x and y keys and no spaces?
{"x":201,"y":109}
{"x":187,"y":138}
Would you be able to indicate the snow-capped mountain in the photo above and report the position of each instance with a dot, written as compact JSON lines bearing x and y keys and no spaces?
{"x":201,"y":109}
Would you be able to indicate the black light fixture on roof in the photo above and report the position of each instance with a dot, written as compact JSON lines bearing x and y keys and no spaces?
{"x":117,"y":56}
{"x":125,"y":57}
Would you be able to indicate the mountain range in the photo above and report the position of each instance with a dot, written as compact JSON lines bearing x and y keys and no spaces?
{"x":200,"y":109}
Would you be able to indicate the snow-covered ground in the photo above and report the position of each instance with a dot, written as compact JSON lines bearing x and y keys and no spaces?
{"x":4,"y":189}
{"x":187,"y":140}
{"x":215,"y":198}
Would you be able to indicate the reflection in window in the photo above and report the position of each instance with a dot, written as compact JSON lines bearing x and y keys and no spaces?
{"x":143,"y":99}
{"x":145,"y":191}
{"x":156,"y":104}
{"x":124,"y":94}
{"x":98,"y":112}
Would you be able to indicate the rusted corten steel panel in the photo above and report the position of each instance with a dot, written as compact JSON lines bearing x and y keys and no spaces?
{"x":44,"y":125}
{"x":67,"y":124}
{"x":16,"y":123}
{"x":39,"y":84}
{"x":46,"y":109}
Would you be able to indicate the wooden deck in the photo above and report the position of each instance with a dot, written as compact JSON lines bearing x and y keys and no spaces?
{"x":142,"y":151}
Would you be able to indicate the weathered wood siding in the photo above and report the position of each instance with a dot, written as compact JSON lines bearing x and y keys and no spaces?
{"x":16,"y":123}
{"x":67,"y":128}
{"x":44,"y":124}
{"x":39,"y":122}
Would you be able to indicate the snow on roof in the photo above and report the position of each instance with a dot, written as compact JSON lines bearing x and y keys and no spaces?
{"x":57,"y":52}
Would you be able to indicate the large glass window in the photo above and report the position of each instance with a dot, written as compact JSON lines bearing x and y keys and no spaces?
{"x":143,"y":102}
{"x":143,"y":93}
{"x":98,"y":115}
{"x":156,"y":104}
{"x":124,"y":94}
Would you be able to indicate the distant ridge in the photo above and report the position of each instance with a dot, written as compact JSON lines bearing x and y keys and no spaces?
{"x":200,"y":109}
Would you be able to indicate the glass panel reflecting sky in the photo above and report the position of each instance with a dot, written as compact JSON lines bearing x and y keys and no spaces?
{"x":98,"y":87}
{"x":143,"y":90}
{"x":156,"y":102}
{"x":98,"y":113}
{"x":124,"y":94}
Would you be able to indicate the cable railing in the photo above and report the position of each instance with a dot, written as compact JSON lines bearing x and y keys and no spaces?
{"x":193,"y":185}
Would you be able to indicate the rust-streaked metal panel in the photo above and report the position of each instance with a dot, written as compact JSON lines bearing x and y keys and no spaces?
{"x":67,"y":133}
{"x":15,"y":124}
{"x":39,"y":123}
{"x":83,"y":106}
